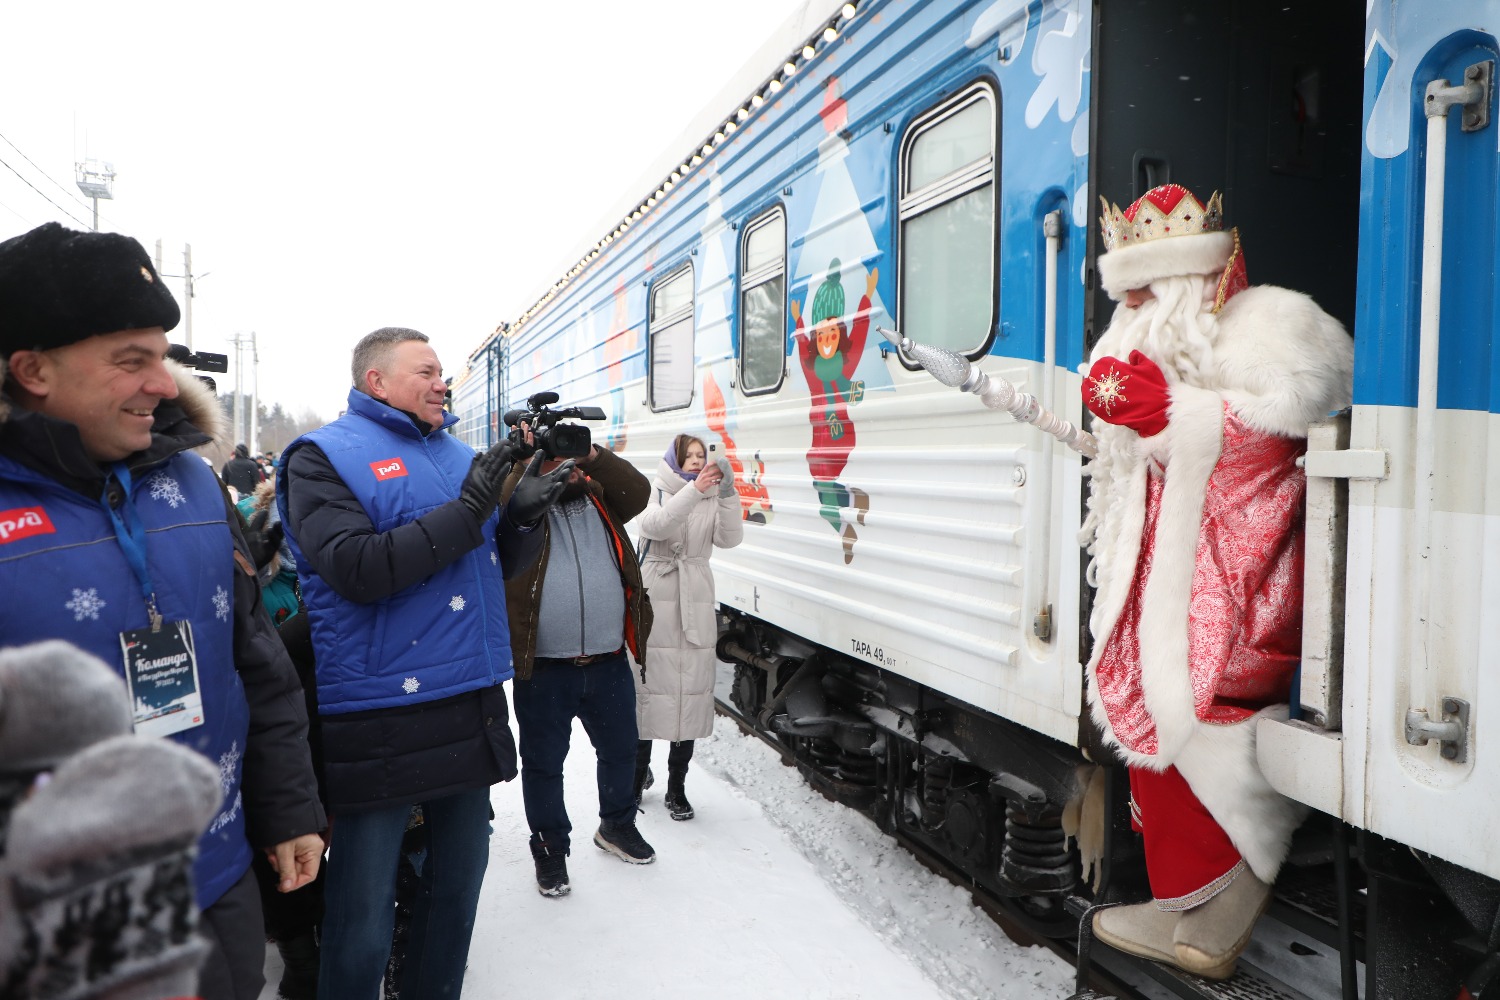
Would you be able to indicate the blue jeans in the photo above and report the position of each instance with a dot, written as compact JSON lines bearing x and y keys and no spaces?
{"x":602,"y":696}
{"x":361,"y":898}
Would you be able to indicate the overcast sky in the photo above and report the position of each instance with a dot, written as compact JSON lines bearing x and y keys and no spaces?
{"x":338,"y":167}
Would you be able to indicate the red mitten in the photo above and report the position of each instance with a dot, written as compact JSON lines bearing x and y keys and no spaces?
{"x":1130,"y":393}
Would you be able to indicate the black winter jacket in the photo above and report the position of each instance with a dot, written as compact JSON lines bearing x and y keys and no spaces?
{"x":410,"y":753}
{"x":243,"y":474}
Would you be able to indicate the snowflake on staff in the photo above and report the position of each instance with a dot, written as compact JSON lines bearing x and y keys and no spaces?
{"x":1109,"y":389}
{"x":221,"y":604}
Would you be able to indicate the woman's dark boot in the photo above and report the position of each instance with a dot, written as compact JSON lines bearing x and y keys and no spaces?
{"x":299,"y":968}
{"x":678,"y":807}
{"x":642,"y":769}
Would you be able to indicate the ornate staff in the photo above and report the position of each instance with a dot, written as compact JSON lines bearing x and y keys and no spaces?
{"x":996,"y":393}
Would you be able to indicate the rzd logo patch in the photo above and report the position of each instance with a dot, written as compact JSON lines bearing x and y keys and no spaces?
{"x":388,"y":468}
{"x":23,"y":522}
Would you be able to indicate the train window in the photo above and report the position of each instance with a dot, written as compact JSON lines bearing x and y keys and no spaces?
{"x":947,"y":224}
{"x":670,"y":336}
{"x":763,"y":303}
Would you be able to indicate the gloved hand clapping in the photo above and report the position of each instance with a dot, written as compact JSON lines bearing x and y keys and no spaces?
{"x":726,"y":484}
{"x":480,"y":492}
{"x":536,"y":492}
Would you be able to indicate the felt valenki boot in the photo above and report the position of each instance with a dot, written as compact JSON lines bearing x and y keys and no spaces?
{"x":1143,"y":929}
{"x":1209,"y":937}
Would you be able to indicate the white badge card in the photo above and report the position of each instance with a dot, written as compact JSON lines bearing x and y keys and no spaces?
{"x":161,"y":669}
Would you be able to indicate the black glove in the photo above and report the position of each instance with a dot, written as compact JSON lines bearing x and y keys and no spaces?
{"x":536,"y":492}
{"x":480,"y":492}
{"x":263,"y":539}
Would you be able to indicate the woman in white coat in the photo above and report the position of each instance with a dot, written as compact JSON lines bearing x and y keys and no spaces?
{"x":693,"y":508}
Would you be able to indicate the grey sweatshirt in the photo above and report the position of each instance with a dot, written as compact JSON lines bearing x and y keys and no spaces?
{"x":583,"y":606}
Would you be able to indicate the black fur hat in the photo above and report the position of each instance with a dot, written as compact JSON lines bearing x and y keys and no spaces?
{"x":59,"y":286}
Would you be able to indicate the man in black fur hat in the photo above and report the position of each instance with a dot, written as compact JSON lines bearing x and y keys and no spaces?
{"x":116,"y":536}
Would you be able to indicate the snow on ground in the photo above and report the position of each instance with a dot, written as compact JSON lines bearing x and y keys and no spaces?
{"x":771,"y":892}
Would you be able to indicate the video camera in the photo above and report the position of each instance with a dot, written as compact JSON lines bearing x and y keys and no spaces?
{"x":552,"y":439}
{"x":201,"y":361}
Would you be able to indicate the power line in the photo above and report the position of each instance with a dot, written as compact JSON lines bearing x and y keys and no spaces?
{"x":44,"y":173}
{"x":15,"y":213}
{"x":39,"y":191}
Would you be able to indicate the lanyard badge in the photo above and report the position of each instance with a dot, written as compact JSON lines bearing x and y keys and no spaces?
{"x":161,"y":665}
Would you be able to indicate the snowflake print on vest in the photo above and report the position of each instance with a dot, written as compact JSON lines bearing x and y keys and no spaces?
{"x":458,"y":603}
{"x":221,"y":604}
{"x":494,"y":559}
{"x":164,"y":487}
{"x":410,"y":685}
{"x":229,"y":763}
{"x":85,"y":604}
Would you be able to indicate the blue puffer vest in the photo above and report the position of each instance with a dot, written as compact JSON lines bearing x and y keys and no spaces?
{"x":64,"y":575}
{"x":441,"y":637}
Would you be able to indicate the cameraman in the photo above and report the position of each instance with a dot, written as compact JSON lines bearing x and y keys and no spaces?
{"x":401,"y":547}
{"x":572,"y":614}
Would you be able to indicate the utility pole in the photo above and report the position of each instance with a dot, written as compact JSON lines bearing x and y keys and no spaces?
{"x":187,"y":284}
{"x":250,"y":420}
{"x":254,"y":395}
{"x":95,"y":178}
{"x":238,"y":342}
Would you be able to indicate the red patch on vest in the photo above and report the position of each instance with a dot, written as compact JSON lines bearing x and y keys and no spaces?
{"x":388,"y":468}
{"x":23,"y":522}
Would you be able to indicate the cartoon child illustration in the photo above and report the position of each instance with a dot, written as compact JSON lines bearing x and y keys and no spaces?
{"x":829,"y":357}
{"x":749,"y":478}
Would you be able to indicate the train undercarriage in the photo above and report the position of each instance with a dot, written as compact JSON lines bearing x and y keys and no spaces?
{"x":986,"y":802}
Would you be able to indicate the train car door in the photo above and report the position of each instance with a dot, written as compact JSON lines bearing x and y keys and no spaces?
{"x":1424,"y":539}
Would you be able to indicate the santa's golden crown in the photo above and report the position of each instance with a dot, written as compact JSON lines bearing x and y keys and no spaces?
{"x":1168,"y":210}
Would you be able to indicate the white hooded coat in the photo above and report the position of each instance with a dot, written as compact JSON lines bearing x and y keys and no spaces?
{"x":678,"y":532}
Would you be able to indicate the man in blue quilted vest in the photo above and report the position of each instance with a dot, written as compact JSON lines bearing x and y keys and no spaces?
{"x":115,"y":536}
{"x":402,"y":549}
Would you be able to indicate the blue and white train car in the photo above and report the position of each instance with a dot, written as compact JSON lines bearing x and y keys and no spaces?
{"x":907,"y":614}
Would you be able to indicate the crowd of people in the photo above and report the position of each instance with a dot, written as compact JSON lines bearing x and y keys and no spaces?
{"x":325,"y":661}
{"x":321,"y":646}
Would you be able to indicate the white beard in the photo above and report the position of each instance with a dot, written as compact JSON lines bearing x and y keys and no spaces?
{"x":1176,"y":329}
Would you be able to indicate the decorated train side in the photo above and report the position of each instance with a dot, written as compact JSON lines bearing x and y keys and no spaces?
{"x":907,"y":616}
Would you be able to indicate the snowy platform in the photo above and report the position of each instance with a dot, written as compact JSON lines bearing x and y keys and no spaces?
{"x":771,"y":892}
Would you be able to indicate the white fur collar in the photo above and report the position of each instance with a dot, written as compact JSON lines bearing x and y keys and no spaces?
{"x":1281,"y":362}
